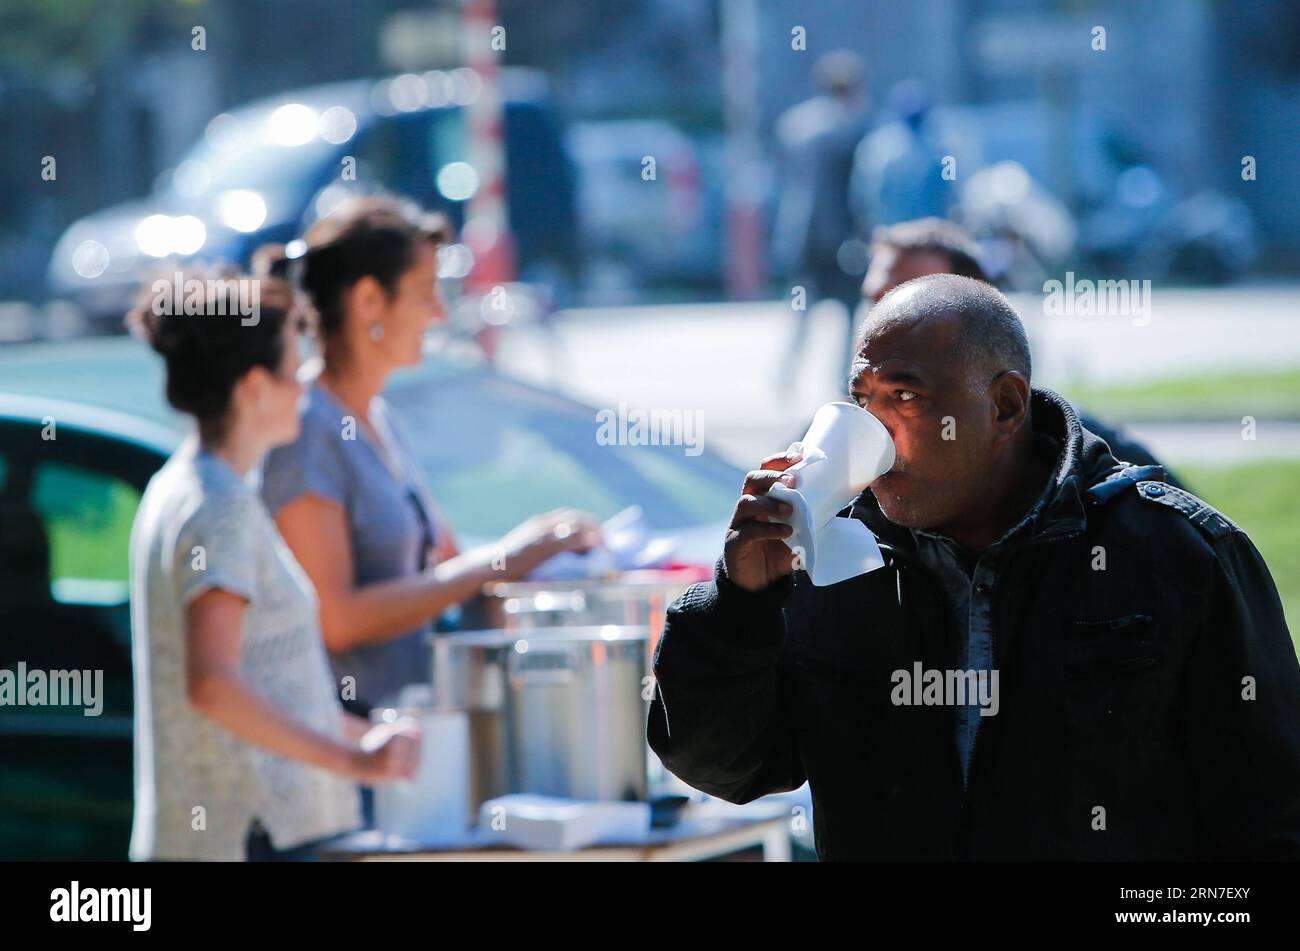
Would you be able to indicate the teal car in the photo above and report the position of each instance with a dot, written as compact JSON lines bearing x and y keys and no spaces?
{"x":83,"y":426}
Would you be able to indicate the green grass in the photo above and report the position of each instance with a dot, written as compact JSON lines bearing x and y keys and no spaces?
{"x":1262,"y":394}
{"x":1260,"y":497}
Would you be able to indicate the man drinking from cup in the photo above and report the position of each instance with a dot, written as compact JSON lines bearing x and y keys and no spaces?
{"x":1147,"y":689}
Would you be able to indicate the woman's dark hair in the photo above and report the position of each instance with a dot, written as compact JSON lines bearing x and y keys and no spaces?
{"x":211,"y":325}
{"x":366,"y":236}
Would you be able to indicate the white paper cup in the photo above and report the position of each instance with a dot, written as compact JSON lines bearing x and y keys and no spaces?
{"x":857,"y":450}
{"x":845,"y":450}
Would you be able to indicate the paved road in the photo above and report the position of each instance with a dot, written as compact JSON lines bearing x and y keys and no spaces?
{"x":720,"y":360}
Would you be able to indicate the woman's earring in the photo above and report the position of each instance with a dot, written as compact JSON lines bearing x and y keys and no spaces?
{"x":376,"y":331}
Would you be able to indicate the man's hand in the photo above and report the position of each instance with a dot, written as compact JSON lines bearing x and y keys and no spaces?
{"x":754,"y":553}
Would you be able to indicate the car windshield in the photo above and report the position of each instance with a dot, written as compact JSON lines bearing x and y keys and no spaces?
{"x":243,"y":152}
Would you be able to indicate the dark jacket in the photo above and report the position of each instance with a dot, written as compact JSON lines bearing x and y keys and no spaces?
{"x":1121,"y":689}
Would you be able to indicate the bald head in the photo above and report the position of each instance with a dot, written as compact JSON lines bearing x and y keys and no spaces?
{"x":972,"y":318}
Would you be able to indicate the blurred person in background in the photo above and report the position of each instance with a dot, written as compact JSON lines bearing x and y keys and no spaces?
{"x":898,"y":172}
{"x":235,"y":708}
{"x":816,"y":139}
{"x":347,"y":493}
{"x":910,"y":249}
{"x":1025,"y":232}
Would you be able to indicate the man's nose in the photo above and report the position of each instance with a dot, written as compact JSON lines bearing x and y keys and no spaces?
{"x":885,"y":421}
{"x":877,"y":408}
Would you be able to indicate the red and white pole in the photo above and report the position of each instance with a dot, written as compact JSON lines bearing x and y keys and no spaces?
{"x":487,"y":218}
{"x":746,"y":258}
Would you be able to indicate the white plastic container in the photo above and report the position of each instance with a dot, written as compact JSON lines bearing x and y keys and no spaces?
{"x":435,"y":804}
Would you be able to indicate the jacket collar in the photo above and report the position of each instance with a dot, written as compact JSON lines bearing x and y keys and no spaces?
{"x":1084,"y":460}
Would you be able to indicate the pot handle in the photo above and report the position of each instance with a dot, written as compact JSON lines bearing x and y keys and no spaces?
{"x":547,"y":602}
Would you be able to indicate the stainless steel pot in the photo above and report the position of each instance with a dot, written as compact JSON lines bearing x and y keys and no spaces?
{"x":636,"y":598}
{"x":556,"y":710}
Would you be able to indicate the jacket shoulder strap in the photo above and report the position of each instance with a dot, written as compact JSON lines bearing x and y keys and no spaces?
{"x":1205,"y":517}
{"x":1121,"y":481}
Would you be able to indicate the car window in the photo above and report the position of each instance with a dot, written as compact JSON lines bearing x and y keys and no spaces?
{"x":87,"y":518}
{"x":64,"y":539}
{"x":445,"y":143}
{"x":377,"y":152}
{"x":261,"y":167}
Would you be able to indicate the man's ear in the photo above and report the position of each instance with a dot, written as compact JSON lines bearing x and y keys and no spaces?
{"x":1010,"y":393}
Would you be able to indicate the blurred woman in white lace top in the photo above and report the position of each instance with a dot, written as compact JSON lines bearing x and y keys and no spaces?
{"x":242,"y":749}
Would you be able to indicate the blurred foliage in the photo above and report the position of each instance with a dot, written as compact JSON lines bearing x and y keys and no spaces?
{"x":82,"y":33}
{"x":548,"y":34}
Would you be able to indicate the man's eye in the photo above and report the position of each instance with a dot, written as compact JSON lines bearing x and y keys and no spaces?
{"x":905,"y":395}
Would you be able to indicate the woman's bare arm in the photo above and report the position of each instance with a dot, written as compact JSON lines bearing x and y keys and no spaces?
{"x":213,"y":633}
{"x":212,"y":638}
{"x":353,"y":615}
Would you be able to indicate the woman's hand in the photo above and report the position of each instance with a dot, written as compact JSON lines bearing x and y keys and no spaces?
{"x":388,"y":752}
{"x":544,"y":536}
{"x":353,"y":615}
